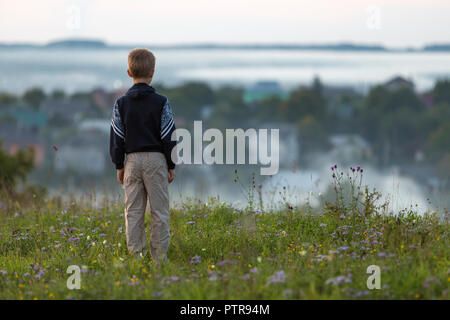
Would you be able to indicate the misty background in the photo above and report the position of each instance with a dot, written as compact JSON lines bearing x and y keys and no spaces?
{"x":372,"y":90}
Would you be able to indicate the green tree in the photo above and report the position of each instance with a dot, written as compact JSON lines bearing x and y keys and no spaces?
{"x":313,"y":135}
{"x":441,"y":91}
{"x":14,"y":168}
{"x":303,"y":102}
{"x":391,"y":120}
{"x":438,"y":143}
{"x":34,"y":97}
{"x":7,"y":99}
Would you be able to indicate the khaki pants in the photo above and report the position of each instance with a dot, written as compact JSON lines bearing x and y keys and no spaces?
{"x":146,"y":176}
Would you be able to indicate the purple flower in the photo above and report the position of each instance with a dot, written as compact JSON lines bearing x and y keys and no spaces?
{"x":213,"y":276}
{"x":343,"y":248}
{"x":3,"y":272}
{"x":195,"y":259}
{"x":223,"y":262}
{"x":191,"y":222}
{"x":277,"y":277}
{"x":339,"y":280}
{"x":74,"y":239}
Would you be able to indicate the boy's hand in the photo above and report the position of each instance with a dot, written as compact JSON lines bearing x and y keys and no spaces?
{"x":171,"y":175}
{"x":120,"y":174}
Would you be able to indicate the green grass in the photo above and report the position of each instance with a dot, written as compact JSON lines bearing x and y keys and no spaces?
{"x":237,"y":254}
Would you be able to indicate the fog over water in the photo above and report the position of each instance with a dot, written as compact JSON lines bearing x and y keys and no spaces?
{"x":85,"y":69}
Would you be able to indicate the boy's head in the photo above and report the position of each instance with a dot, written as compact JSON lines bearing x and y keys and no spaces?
{"x":141,"y":65}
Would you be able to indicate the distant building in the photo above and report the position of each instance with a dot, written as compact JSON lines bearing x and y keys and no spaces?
{"x":399,"y":82}
{"x":263,"y":90}
{"x":15,"y":138}
{"x":100,"y":125}
{"x":85,"y":152}
{"x":25,"y":117}
{"x":101,"y":98}
{"x":67,"y":109}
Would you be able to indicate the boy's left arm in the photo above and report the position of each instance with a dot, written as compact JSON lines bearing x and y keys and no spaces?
{"x":167,"y":128}
{"x":117,"y":142}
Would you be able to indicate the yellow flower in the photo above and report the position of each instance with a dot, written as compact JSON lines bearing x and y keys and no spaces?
{"x":50,"y":295}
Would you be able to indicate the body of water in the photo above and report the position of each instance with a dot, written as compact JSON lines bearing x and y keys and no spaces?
{"x":84,"y":69}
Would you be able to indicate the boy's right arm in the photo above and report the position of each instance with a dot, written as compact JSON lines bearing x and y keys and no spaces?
{"x":117,"y":139}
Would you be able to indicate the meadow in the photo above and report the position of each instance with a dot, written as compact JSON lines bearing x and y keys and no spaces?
{"x":219,"y":251}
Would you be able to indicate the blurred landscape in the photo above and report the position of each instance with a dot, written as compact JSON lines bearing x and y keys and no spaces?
{"x":386,"y":110}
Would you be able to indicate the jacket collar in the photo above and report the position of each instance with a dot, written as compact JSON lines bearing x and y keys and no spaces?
{"x":140,"y":89}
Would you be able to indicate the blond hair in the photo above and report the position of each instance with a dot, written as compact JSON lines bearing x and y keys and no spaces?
{"x":141,"y":63}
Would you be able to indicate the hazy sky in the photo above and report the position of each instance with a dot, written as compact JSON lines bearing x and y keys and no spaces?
{"x":394,"y":23}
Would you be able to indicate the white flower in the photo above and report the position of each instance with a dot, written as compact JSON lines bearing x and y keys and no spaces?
{"x":104,"y":241}
{"x":88,"y":238}
{"x":259,"y":259}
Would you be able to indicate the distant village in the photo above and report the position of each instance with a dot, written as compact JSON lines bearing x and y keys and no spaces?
{"x":71,"y":133}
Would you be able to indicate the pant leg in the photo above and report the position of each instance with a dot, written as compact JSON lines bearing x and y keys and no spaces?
{"x":135,"y":204}
{"x":155,"y":175}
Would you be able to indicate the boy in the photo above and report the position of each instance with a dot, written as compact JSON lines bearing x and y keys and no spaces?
{"x":141,"y":127}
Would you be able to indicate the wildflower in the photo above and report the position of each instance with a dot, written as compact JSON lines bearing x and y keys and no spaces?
{"x":277,"y":277}
{"x":212,"y":276}
{"x":259,"y":259}
{"x":55,"y":148}
{"x":339,"y":280}
{"x":191,"y":222}
{"x":195,"y":259}
{"x":3,"y":272}
{"x":104,"y":241}
{"x":88,"y":238}
{"x":224,"y":262}
{"x":254,"y":270}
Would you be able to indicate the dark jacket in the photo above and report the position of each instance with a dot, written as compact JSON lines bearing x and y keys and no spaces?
{"x":142,"y":120}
